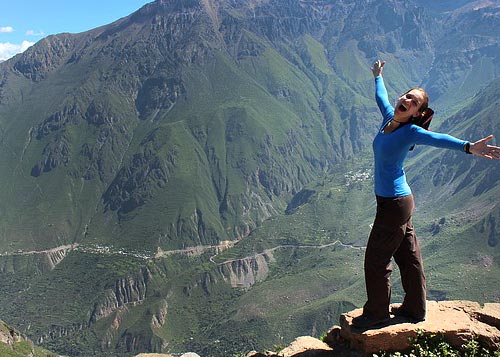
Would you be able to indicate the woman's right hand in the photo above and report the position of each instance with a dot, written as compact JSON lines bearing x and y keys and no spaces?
{"x":377,"y":68}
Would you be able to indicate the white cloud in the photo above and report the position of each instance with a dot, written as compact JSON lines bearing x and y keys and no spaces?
{"x":6,"y":29}
{"x":34,"y":33}
{"x":8,"y":50}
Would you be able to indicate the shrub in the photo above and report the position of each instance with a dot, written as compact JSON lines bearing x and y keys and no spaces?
{"x":432,"y":345}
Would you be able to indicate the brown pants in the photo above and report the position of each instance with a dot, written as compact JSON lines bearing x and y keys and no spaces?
{"x":393,"y":235}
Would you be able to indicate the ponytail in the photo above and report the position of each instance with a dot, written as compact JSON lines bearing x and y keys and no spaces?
{"x":425,"y":118}
{"x":423,"y":121}
{"x":426,"y":113}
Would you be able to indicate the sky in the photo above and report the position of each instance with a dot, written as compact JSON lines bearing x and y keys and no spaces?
{"x":25,"y":22}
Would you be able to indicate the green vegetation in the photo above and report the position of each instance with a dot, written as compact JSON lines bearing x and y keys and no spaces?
{"x":430,"y":345}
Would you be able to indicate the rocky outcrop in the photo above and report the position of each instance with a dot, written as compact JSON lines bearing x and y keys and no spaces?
{"x":301,"y":198}
{"x":189,"y":354}
{"x":135,"y":183}
{"x":306,"y":346}
{"x":158,"y":93}
{"x":127,"y":290}
{"x":56,"y":153}
{"x":9,"y":335}
{"x":44,"y":57}
{"x":457,"y":321}
{"x":55,"y":331}
{"x":14,"y":343}
{"x":160,"y":316}
{"x":58,"y":120}
{"x":243,"y":273}
{"x":238,"y":273}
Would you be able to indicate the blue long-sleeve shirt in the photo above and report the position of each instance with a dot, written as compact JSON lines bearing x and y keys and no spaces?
{"x":390,"y":149}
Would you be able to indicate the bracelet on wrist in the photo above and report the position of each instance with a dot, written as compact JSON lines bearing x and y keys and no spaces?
{"x":467,"y":148}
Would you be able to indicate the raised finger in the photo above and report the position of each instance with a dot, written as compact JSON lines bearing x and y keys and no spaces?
{"x":486,"y":139}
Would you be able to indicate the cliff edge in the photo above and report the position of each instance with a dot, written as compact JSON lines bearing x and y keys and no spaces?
{"x":458,"y":322}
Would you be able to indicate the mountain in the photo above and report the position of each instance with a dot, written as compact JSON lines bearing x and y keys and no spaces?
{"x":203,"y":168}
{"x":127,"y":100}
{"x":468,"y":58}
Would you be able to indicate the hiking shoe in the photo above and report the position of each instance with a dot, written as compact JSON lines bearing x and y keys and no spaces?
{"x":364,"y":321}
{"x":400,"y":311}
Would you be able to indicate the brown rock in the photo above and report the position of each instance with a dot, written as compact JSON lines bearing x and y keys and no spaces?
{"x":457,"y":321}
{"x":258,"y":354}
{"x":9,"y":335}
{"x":490,"y":314}
{"x":306,"y":346}
{"x":189,"y":354}
{"x":341,"y":347}
{"x":333,"y":337}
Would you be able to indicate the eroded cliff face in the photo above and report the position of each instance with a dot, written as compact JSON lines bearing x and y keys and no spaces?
{"x":238,"y":273}
{"x":243,"y":273}
{"x":112,"y":303}
{"x":55,"y":332}
{"x":160,"y":316}
{"x":49,"y":54}
{"x":129,"y":290}
{"x":9,"y":335}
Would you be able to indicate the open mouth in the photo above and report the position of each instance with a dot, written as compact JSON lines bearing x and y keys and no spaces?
{"x":402,"y":108}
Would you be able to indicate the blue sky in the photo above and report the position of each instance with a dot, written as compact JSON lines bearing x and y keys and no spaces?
{"x":24,"y":22}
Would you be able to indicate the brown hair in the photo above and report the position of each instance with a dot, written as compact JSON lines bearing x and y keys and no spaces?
{"x":425,"y":104}
{"x":426,"y":113}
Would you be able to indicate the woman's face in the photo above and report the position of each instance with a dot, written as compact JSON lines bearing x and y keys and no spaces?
{"x":409,"y":104}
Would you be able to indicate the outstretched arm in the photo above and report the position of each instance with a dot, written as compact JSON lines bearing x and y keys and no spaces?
{"x":480,"y":148}
{"x":381,"y":95}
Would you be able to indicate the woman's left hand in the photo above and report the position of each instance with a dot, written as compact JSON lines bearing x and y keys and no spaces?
{"x":480,"y":148}
{"x":377,"y":68}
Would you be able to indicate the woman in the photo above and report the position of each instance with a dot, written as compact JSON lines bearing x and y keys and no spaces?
{"x":392,"y":234}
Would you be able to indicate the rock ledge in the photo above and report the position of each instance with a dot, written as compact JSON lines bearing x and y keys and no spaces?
{"x":457,"y":321}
